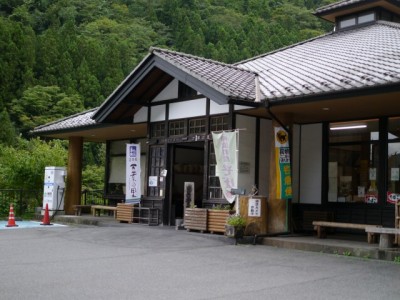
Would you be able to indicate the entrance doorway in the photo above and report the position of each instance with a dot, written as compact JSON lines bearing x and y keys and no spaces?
{"x":187,"y":169}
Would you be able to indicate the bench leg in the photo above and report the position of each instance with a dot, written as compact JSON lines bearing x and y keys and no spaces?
{"x":372,"y":238}
{"x":385,"y":241}
{"x":321,"y":232}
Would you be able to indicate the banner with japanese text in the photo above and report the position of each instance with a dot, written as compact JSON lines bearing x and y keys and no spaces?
{"x":282,"y":159}
{"x":226,"y":158}
{"x":133,"y":191}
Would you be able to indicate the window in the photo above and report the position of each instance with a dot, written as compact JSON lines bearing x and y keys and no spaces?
{"x":157,"y":130}
{"x":197,"y":126}
{"x":219,"y":123}
{"x":365,"y":18}
{"x":353,"y":166}
{"x":348,"y":22}
{"x":393,"y":159}
{"x":157,"y":164}
{"x":176,"y":128}
{"x":356,"y":19}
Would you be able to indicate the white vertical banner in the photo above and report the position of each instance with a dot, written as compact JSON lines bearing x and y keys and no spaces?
{"x":133,"y":191}
{"x":226,"y":157}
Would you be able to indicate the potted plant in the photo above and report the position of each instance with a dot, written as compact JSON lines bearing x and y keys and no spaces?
{"x":235,"y":226}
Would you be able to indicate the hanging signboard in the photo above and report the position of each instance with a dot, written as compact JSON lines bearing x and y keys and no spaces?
{"x":133,"y":191}
{"x":254,"y":209}
{"x":282,"y":159}
{"x":225,"y":155}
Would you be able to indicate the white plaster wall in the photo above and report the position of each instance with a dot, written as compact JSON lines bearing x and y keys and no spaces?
{"x":169,"y":92}
{"x":141,"y":115}
{"x":265,"y":154}
{"x":187,"y":109}
{"x":157,"y":113}
{"x":216,"y":108}
{"x":247,"y":140}
{"x":310,"y":164}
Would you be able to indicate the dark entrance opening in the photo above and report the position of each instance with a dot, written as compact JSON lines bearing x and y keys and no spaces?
{"x":187,"y":166}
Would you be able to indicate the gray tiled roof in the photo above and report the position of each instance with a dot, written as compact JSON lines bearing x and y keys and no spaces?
{"x":336,"y":5}
{"x":352,"y":59}
{"x":341,"y":61}
{"x":78,"y":120}
{"x":232,"y":81}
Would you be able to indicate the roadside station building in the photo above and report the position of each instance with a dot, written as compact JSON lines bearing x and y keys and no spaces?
{"x":336,"y":95}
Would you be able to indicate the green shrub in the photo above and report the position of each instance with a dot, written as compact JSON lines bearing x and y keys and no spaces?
{"x":236,"y":220}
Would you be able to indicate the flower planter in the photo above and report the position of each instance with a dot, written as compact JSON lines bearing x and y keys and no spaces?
{"x":196,"y":219}
{"x":216,"y":220}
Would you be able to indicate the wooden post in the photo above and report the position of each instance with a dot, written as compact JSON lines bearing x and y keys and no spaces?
{"x":74,"y":174}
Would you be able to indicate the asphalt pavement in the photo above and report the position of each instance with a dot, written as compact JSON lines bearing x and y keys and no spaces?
{"x":134,"y":261}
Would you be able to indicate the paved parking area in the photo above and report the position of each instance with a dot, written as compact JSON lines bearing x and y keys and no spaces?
{"x":26,"y":224}
{"x":141,"y":262}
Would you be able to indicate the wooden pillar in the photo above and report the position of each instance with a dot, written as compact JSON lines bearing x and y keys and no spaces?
{"x":74,"y":174}
{"x":277,"y":210}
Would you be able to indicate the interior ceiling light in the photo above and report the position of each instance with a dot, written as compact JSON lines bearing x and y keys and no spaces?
{"x":346,"y":127}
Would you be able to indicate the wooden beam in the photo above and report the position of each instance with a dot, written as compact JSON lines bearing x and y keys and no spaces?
{"x":74,"y":174}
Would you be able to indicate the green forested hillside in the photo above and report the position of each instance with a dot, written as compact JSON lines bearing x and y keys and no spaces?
{"x":63,"y":56}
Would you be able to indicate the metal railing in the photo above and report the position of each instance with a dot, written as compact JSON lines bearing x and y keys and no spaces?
{"x":93,"y":197}
{"x":23,"y":201}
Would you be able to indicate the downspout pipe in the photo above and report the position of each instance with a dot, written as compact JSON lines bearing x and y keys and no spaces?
{"x":268,"y":107}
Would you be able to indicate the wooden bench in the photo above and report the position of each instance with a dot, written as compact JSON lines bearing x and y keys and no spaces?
{"x":320,"y":227}
{"x":99,"y":208}
{"x":309,"y":216}
{"x":386,"y":235}
{"x":81,"y":208}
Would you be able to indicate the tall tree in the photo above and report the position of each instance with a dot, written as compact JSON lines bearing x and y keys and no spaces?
{"x":39,"y":105}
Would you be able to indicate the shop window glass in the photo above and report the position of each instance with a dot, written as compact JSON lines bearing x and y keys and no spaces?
{"x":353,"y":162}
{"x":393,"y":160}
{"x":357,"y":131}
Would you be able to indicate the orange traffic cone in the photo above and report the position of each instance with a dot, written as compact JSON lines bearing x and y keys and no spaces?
{"x":11,"y":218}
{"x":46,"y":218}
